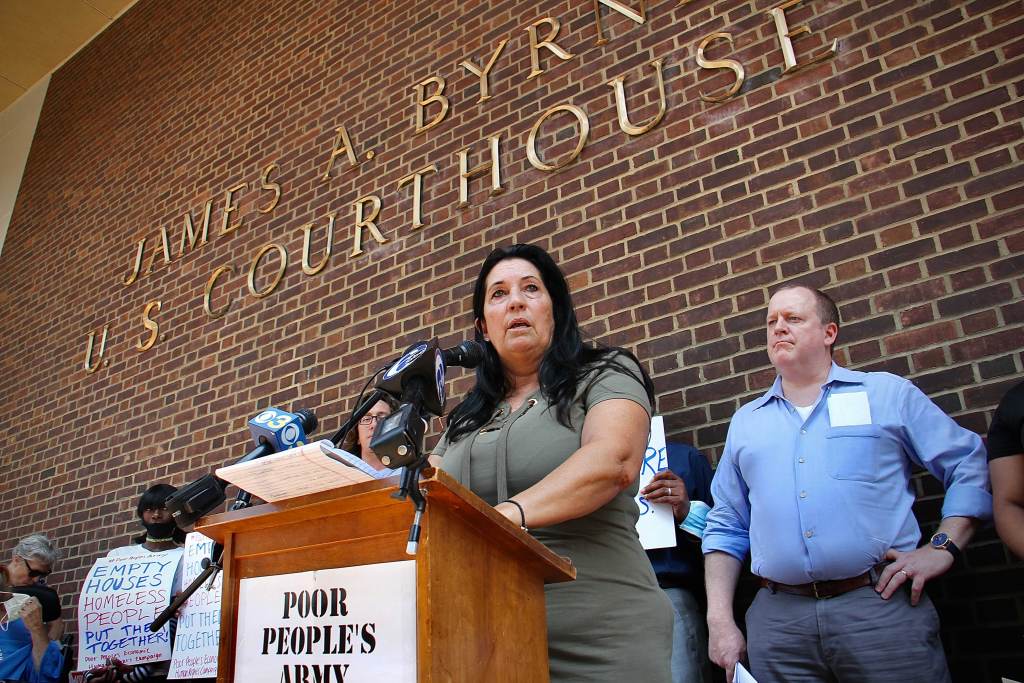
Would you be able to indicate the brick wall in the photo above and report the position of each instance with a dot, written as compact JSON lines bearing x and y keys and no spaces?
{"x":889,"y":175}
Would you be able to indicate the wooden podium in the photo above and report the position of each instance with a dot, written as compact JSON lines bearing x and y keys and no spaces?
{"x":479,"y":578}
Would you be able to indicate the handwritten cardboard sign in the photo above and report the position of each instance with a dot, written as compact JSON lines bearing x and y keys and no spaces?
{"x":120,"y":598}
{"x":197,"y":639}
{"x":656,"y":526}
{"x":329,"y":626}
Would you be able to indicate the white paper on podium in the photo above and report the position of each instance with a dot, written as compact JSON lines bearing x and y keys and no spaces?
{"x":298,"y":471}
{"x":656,"y":526}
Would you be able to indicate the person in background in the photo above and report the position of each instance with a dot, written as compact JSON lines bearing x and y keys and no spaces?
{"x":28,"y":653}
{"x":553,"y":435}
{"x":34,"y":558}
{"x":814,"y":482}
{"x":357,"y":441}
{"x":1006,"y":467}
{"x":161,"y":534}
{"x":680,"y":570}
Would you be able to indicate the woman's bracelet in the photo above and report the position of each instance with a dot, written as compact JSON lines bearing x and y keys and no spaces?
{"x":522,"y":514}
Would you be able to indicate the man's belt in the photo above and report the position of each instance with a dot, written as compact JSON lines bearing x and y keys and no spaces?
{"x":821,"y":589}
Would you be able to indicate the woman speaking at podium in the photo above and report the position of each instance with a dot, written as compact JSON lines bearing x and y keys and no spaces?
{"x":553,"y":435}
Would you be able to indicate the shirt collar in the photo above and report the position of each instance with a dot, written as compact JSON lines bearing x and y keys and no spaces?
{"x":836,"y":373}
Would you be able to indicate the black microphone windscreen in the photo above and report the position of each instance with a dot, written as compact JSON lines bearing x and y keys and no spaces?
{"x":468,"y":354}
{"x":308,"y":419}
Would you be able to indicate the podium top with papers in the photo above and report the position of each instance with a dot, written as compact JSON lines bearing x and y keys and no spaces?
{"x":478,"y":576}
{"x":374,"y":496}
{"x":309,"y":468}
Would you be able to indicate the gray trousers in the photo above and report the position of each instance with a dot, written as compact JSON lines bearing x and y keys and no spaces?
{"x":851,"y":638}
{"x":690,"y":662}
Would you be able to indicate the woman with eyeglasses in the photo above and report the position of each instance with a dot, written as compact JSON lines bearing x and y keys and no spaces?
{"x":29,"y":651}
{"x":357,"y":441}
{"x":161,"y":535}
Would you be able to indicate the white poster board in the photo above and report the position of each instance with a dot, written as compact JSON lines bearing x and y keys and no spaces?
{"x":120,"y":598}
{"x":345,"y":625}
{"x":197,"y":639}
{"x":656,"y":526}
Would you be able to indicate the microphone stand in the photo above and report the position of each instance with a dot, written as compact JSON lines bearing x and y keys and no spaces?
{"x":211,"y":565}
{"x":409,"y":487}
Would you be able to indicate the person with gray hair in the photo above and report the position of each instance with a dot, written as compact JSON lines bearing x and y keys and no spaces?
{"x":29,"y":650}
{"x":37,"y":549}
{"x":33,"y":559}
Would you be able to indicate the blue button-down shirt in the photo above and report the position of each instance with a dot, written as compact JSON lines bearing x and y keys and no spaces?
{"x":817,"y":502}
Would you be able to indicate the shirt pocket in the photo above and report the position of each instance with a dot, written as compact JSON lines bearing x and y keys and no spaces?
{"x":854,"y":452}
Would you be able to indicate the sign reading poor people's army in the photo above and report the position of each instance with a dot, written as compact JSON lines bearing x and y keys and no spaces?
{"x":197,"y":639}
{"x":332,"y":626}
{"x":120,"y":598}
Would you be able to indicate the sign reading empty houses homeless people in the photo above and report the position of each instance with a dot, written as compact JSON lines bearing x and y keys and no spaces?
{"x":120,"y":599}
{"x":331,"y":626}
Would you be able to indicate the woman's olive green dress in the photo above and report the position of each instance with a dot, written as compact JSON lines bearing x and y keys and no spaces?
{"x":612,"y":623}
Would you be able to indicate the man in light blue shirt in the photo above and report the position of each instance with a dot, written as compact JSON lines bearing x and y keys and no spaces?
{"x":815,"y":483}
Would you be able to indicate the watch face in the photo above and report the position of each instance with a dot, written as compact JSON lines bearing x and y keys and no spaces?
{"x":940,"y":540}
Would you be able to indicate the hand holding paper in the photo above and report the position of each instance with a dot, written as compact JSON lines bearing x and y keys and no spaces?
{"x":742,"y":675}
{"x":667,"y":488}
{"x":655,"y":526}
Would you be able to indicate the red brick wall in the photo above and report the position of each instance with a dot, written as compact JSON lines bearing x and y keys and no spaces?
{"x":889,"y":175}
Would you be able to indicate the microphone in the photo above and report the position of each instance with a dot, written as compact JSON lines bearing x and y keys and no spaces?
{"x":276,"y":430}
{"x":468,"y":354}
{"x":273,"y":430}
{"x":417,"y":380}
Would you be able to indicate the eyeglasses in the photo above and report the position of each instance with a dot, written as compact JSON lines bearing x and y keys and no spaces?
{"x":34,"y":573}
{"x":367,"y":420}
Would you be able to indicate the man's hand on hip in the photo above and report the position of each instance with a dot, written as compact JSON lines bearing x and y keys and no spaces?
{"x":918,"y":566}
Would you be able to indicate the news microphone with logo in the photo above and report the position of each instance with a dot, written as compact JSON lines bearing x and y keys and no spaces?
{"x":273,"y":430}
{"x":420,"y":372}
{"x":279,"y":430}
{"x":417,"y":379}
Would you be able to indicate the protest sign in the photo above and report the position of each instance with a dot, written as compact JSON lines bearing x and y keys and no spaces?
{"x":330,"y":626}
{"x":120,"y":598}
{"x":197,"y":639}
{"x":656,"y":526}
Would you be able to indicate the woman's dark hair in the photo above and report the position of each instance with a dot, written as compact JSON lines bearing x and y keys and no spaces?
{"x":155,"y":498}
{"x":351,"y":441}
{"x":565,"y":364}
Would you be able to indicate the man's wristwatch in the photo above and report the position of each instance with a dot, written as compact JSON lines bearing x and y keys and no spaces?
{"x":942,"y":541}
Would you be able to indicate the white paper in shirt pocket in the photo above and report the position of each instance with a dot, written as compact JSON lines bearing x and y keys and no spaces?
{"x":849,"y":409}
